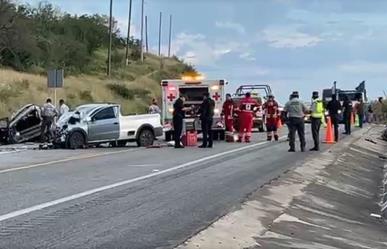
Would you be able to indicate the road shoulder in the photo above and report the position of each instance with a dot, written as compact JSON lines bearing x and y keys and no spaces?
{"x":325,"y":203}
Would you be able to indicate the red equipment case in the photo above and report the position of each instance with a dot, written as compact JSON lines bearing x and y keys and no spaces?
{"x":190,"y":138}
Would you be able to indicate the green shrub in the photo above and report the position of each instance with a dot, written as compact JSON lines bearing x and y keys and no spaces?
{"x":126,"y":93}
{"x":86,"y":96}
{"x":24,"y":84}
{"x":121,"y":90}
{"x":118,"y":58}
{"x":8,"y":92}
{"x":141,"y":93}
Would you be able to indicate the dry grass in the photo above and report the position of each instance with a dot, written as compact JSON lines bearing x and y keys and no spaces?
{"x":18,"y":89}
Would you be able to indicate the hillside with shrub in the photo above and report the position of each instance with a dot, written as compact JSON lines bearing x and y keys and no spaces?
{"x":35,"y":39}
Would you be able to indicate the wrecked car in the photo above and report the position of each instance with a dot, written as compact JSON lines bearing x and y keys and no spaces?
{"x":103,"y":123}
{"x":24,"y":125}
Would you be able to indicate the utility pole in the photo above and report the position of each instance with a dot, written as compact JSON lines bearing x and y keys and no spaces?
{"x":142,"y":31}
{"x":161,"y":16}
{"x":146,"y":34}
{"x":109,"y":69}
{"x":170,"y":35}
{"x":128,"y":39}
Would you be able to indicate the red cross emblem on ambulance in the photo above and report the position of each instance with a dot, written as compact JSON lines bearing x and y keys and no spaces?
{"x":216,"y":96}
{"x":171,"y":97}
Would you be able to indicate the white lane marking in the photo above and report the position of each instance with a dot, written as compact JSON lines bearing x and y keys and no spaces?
{"x":143,"y":165}
{"x":118,"y":184}
{"x":63,"y":161}
{"x":9,"y":152}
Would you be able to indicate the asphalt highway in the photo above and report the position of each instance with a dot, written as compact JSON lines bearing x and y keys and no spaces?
{"x":130,"y":197}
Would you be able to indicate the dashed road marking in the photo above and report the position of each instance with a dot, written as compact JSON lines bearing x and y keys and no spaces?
{"x":63,"y":161}
{"x":118,"y":184}
{"x":143,"y":165}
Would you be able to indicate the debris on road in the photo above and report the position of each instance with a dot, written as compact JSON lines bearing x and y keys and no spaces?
{"x":371,"y":141}
{"x":157,"y":146}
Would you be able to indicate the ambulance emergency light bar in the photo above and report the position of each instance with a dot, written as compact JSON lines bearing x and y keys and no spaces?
{"x":221,"y":83}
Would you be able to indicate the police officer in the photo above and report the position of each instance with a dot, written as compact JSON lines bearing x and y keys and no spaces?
{"x":296,"y":110}
{"x":178,"y":118}
{"x":206,"y":112}
{"x":347,"y":114}
{"x":317,"y":114}
{"x":334,"y":109}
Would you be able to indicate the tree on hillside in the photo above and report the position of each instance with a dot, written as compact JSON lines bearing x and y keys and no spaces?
{"x":44,"y":37}
{"x":15,"y":37}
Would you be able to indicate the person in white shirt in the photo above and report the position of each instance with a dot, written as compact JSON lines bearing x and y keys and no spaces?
{"x":63,"y":108}
{"x":154,"y":108}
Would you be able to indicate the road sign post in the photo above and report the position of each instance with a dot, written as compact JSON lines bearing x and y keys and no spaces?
{"x":55,"y":79}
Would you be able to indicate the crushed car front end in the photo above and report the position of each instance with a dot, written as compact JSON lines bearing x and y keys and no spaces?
{"x":66,"y":124}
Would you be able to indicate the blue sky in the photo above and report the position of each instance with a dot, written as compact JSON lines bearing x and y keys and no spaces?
{"x":301,"y":45}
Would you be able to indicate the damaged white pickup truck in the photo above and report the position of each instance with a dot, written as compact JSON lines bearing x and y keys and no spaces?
{"x":104,"y":123}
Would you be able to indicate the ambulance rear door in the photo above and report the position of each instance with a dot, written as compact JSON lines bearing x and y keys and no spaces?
{"x":170,"y":93}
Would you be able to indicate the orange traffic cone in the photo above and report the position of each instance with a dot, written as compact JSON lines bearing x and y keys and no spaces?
{"x":279,"y":123}
{"x":329,"y":139}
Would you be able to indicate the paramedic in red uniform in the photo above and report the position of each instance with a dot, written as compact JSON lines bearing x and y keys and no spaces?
{"x":228,"y":114}
{"x":246,"y":114}
{"x":272,"y":116}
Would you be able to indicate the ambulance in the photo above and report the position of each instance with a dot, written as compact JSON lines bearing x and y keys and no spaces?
{"x":193,"y":89}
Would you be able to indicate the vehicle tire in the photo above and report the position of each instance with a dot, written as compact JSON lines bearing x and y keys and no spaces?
{"x":168,"y":136}
{"x":76,"y":140}
{"x":145,"y":138}
{"x":260,"y":128}
{"x":121,"y":143}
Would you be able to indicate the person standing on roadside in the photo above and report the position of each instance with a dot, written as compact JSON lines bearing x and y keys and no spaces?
{"x":285,"y":119}
{"x":271,"y":115}
{"x":295,"y":110}
{"x":378,"y":109}
{"x":334,"y":109}
{"x":63,"y":108}
{"x":317,"y":114}
{"x":154,"y":108}
{"x":206,"y":112}
{"x":360,"y":112}
{"x":247,"y":107}
{"x":347,"y":114}
{"x":370,"y":114}
{"x":228,"y":114}
{"x":178,"y":118}
{"x":49,"y":113}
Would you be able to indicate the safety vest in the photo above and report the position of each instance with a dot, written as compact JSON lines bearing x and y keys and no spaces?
{"x":317,"y":109}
